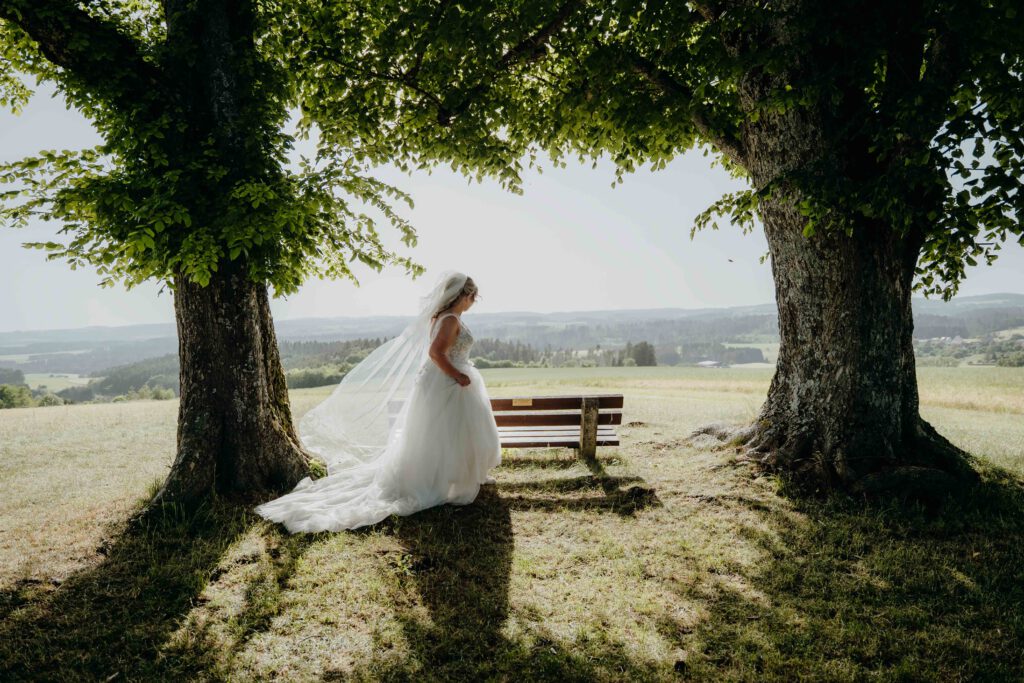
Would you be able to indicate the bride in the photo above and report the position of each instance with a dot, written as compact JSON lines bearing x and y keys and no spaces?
{"x":408,"y":428}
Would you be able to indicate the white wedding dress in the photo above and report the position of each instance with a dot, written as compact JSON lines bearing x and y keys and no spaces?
{"x":442,"y":443}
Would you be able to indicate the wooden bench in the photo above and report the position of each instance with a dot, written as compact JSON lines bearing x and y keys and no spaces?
{"x":580,"y":422}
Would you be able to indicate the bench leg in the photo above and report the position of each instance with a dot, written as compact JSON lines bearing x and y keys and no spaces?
{"x":588,"y":429}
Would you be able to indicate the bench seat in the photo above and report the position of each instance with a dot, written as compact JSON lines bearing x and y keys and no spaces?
{"x":517,"y":438}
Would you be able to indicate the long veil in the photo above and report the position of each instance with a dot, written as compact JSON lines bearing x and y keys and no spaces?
{"x":355,"y":424}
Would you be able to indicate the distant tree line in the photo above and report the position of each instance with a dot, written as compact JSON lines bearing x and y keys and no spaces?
{"x":21,"y":396}
{"x":14,"y":393}
{"x":660,"y":333}
{"x":307,"y":363}
{"x":152,"y":378}
{"x":320,"y":363}
{"x":512,"y":351}
{"x":303,"y":354}
{"x":11,"y":376}
{"x":502,"y":354}
{"x":987,"y":350}
{"x":91,"y":358}
{"x":688,"y":354}
{"x":980,"y":323}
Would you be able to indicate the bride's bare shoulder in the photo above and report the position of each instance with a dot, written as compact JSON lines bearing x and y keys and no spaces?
{"x":447,"y":324}
{"x":449,"y":319}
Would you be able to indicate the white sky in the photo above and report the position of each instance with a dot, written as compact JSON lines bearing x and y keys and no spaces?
{"x":571,"y":242}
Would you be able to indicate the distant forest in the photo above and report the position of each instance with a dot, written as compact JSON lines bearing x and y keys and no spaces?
{"x":316,"y":363}
{"x":973,"y":324}
{"x":141,"y":361}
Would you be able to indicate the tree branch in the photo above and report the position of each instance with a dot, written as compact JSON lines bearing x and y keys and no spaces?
{"x":944,"y":62}
{"x":527,"y":50}
{"x":93,"y":50}
{"x":426,"y":39}
{"x":408,"y":82}
{"x":730,"y":145}
{"x":904,"y":55}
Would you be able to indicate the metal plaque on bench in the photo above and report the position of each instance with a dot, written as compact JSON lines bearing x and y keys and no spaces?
{"x":522,"y":402}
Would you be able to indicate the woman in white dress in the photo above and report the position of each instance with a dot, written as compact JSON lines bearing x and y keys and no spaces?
{"x":408,"y":428}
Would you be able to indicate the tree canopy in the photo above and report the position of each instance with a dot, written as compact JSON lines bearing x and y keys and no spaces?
{"x":922,"y":101}
{"x":160,"y":195}
{"x":923,"y":97}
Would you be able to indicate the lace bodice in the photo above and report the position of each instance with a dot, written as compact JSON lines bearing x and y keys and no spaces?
{"x":459,"y":351}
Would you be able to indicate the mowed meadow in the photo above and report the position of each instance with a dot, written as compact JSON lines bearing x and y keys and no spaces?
{"x":661,"y":561}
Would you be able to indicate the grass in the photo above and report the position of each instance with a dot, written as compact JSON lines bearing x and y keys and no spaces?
{"x":660,"y":562}
{"x":56,"y":381}
{"x":1009,"y":333}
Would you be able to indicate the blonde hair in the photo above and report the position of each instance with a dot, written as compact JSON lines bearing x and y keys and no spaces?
{"x":469,"y":288}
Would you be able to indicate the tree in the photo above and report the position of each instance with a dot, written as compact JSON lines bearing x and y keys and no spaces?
{"x":48,"y":400}
{"x":884,"y":149}
{"x":882,"y":145}
{"x":191,"y":187}
{"x":15,"y":396}
{"x":11,"y":376}
{"x":643,"y":354}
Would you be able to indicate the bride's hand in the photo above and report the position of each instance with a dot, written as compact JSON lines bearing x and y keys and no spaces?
{"x":462,"y":379}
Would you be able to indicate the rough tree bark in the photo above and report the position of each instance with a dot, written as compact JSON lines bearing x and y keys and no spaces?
{"x":235,"y":430}
{"x":842,"y":408}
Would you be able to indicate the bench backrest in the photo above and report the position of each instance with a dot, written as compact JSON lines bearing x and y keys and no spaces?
{"x":542,"y":411}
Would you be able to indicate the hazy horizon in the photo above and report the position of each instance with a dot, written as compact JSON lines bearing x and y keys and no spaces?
{"x":472,"y":312}
{"x":570,"y":243}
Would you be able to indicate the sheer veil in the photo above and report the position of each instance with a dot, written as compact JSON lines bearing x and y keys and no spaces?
{"x":352,"y":427}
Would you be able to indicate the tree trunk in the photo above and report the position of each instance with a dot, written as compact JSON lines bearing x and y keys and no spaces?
{"x":842,"y":409}
{"x":235,"y":430}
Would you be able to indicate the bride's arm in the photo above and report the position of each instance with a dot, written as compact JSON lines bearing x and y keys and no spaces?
{"x":439,"y":350}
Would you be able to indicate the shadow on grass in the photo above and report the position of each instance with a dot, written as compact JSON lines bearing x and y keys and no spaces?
{"x":556,"y":460}
{"x":614,"y":498}
{"x":570,"y":484}
{"x":458,"y":564}
{"x":849,"y":591}
{"x":113,"y":620}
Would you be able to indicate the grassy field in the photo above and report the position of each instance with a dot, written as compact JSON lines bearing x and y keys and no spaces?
{"x":660,"y":562}
{"x":1008,"y":334}
{"x":56,"y":381}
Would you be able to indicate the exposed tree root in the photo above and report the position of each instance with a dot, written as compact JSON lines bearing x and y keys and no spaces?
{"x":927,"y":469}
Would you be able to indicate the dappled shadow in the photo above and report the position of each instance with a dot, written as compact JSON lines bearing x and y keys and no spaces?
{"x":461,"y":562}
{"x":848,"y":590}
{"x":263,"y":589}
{"x":132,"y":616}
{"x":457,"y":563}
{"x":554,"y":459}
{"x":113,"y":620}
{"x":568,"y":485}
{"x":621,"y":502}
{"x":616,"y":499}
